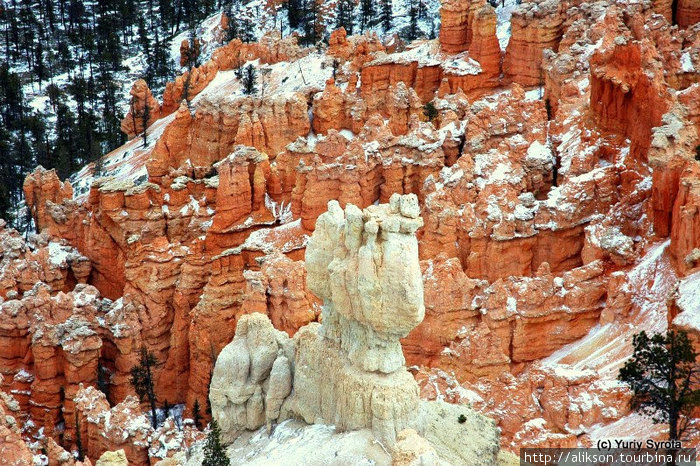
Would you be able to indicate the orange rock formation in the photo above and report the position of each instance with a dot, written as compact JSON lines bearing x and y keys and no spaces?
{"x":549,"y":215}
{"x":535,"y":27}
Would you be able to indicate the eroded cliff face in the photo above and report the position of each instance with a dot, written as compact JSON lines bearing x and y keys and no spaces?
{"x":535,"y":27}
{"x":687,"y":13}
{"x":542,"y":209}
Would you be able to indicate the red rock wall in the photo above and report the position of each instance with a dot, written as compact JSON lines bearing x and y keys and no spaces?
{"x":685,"y":227}
{"x":208,"y":136}
{"x":534,"y":28}
{"x":143,"y":106}
{"x":334,"y":109}
{"x":480,"y":330}
{"x":484,"y":46}
{"x":624,"y":99}
{"x":269,"y":49}
{"x":378,"y":78}
{"x":665,"y":185}
{"x":457,"y":24}
{"x":687,"y":13}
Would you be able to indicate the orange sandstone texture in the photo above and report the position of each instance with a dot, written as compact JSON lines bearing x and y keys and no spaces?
{"x":628,"y":95}
{"x":484,"y":46}
{"x":519,"y":258}
{"x":457,"y":24}
{"x":208,"y":136}
{"x":144,"y":109}
{"x":687,"y":12}
{"x":123,"y":427}
{"x":270,"y":49}
{"x":354,"y":49}
{"x":675,"y":200}
{"x":685,"y":230}
{"x":535,"y":27}
{"x":189,"y":54}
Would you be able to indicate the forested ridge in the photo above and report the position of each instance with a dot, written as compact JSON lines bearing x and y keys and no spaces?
{"x":65,"y":73}
{"x":67,"y":66}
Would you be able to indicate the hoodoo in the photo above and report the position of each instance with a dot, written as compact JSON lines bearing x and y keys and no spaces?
{"x":349,"y":370}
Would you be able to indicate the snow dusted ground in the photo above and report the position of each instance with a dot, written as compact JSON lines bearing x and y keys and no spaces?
{"x":606,"y":347}
{"x":205,"y":33}
{"x":126,"y":163}
{"x":293,"y":443}
{"x":689,"y":303}
{"x":308,"y":73}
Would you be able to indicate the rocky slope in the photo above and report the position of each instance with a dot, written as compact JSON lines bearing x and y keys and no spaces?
{"x":557,"y":220}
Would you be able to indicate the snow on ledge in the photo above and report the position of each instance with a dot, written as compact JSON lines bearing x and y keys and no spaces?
{"x":689,"y":303}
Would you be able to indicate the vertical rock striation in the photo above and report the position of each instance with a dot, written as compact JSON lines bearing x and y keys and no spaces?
{"x":535,"y":26}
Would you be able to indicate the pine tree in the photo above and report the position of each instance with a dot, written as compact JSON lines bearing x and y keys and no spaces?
{"x":20,"y":132}
{"x":208,"y":7}
{"x":6,"y":172}
{"x":430,"y":111}
{"x":162,"y":69}
{"x":98,"y":168}
{"x":145,"y":116}
{"x":65,"y":57}
{"x":39,"y":65}
{"x":192,"y":58}
{"x":295,"y":13}
{"x":111,"y":115}
{"x":232,"y":30}
{"x":246,"y":34}
{"x":421,"y":9}
{"x":87,"y":148}
{"x":238,"y":66}
{"x":145,"y":44}
{"x":197,"y":415}
{"x":664,"y":376}
{"x":214,"y":452}
{"x":413,"y":21}
{"x":432,"y":34}
{"x":211,"y":376}
{"x":192,"y":11}
{"x":109,"y":45}
{"x":386,"y":14}
{"x":166,"y":14}
{"x":102,"y":373}
{"x":64,"y":143}
{"x":37,"y":126}
{"x":311,"y":23}
{"x":344,"y":16}
{"x":142,"y":381}
{"x":366,"y":13}
{"x":249,"y":80}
